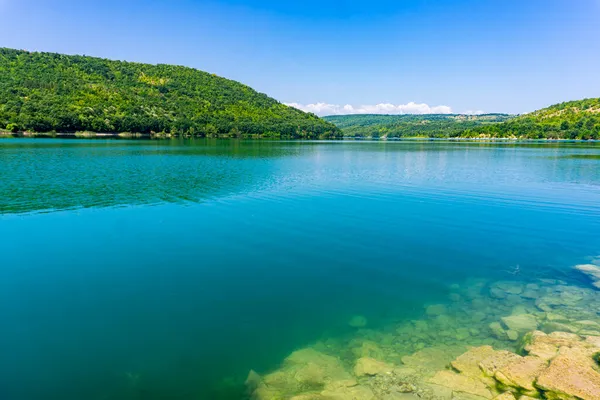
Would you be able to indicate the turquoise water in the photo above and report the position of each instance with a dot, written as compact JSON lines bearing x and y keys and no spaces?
{"x":169,"y":269}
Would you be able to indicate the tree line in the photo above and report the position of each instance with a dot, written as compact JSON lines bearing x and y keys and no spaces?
{"x":410,"y":125}
{"x":578,"y":119}
{"x":45,"y":92}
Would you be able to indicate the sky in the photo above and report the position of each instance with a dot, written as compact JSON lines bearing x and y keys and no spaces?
{"x":342,"y":57}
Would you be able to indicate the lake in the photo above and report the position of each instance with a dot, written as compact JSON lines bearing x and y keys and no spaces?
{"x":170,"y":269}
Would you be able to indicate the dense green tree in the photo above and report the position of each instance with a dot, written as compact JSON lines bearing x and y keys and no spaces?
{"x":398,"y":126}
{"x":44,"y":92}
{"x":571,"y":120}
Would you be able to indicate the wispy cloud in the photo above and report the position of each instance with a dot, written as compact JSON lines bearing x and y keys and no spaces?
{"x":323,"y":109}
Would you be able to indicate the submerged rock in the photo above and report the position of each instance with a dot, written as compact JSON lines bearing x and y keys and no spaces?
{"x":530,"y":294}
{"x":512,"y":335}
{"x":588,"y":326}
{"x":546,"y":346}
{"x":522,"y":373}
{"x":436,"y":309}
{"x":560,"y":364}
{"x":421,"y":325}
{"x":497,"y":293}
{"x":466,"y":396}
{"x":531,"y":291}
{"x":592,"y":271}
{"x":556,"y":345}
{"x":305,"y":370}
{"x":555,"y":317}
{"x":468,"y":363}
{"x":570,"y":375}
{"x":399,"y":396}
{"x":462,"y":334}
{"x":432,"y":359}
{"x":506,"y":396}
{"x":570,"y":370}
{"x":368,"y":349}
{"x":462,"y":383}
{"x":358,"y":321}
{"x":369,"y":367}
{"x":510,"y":287}
{"x":252,"y":381}
{"x":478,"y":316}
{"x":520,"y":322}
{"x":266,"y":393}
{"x":348,"y":393}
{"x":455,"y":297}
{"x":309,"y":396}
{"x":540,"y":345}
{"x":550,"y":327}
{"x":496,"y":361}
{"x":589,"y":269}
{"x":497,"y":330}
{"x":432,"y":391}
{"x":593,"y":341}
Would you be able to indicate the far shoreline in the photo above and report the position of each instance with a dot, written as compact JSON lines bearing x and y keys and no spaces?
{"x":168,"y":136}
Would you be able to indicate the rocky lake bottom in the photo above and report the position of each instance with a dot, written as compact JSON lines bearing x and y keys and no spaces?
{"x":509,"y":339}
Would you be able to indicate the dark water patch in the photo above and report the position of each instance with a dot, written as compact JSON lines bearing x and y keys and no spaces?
{"x":583,"y":156}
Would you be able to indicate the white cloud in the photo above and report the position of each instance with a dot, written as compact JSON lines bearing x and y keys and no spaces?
{"x":323,"y":109}
{"x":474,"y":112}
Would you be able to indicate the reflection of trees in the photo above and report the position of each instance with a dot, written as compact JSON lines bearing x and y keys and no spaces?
{"x":42,"y":175}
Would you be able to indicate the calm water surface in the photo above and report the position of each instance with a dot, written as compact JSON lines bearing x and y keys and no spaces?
{"x":169,"y":269}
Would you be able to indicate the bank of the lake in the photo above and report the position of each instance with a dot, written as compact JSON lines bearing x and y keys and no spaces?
{"x":160,"y":136}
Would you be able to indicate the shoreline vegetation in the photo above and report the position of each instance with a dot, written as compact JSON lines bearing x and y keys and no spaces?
{"x":574,"y":120}
{"x":168,"y":136}
{"x":56,"y":95}
{"x":127,"y":135}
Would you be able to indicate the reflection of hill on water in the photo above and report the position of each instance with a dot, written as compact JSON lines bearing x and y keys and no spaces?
{"x":43,"y":175}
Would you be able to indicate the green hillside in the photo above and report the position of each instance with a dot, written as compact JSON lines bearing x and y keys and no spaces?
{"x":42,"y":92}
{"x":571,"y":120}
{"x":398,"y":126}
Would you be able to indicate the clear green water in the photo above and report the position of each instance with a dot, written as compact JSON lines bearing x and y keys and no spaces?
{"x":167,"y":270}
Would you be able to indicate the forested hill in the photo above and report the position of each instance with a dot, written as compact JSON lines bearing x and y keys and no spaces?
{"x":42,"y":92}
{"x":571,"y":120}
{"x":398,"y":126}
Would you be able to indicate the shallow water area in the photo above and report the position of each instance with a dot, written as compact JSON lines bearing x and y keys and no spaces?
{"x":502,"y":339}
{"x":169,"y":270}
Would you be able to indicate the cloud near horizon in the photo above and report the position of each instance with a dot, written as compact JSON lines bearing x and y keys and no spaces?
{"x":323,"y":109}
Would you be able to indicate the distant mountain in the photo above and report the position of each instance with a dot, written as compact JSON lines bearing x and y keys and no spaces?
{"x":398,"y":126}
{"x":578,"y":119}
{"x":41,"y":92}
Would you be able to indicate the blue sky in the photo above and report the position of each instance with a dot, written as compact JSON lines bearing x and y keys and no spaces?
{"x":380,"y":56}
